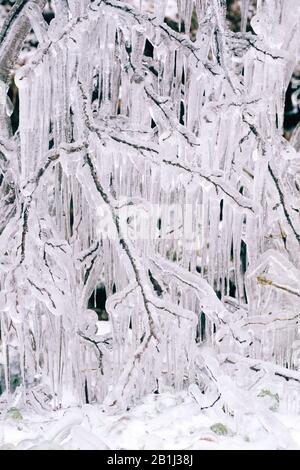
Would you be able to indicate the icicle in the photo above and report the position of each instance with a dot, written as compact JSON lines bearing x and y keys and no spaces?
{"x":244,"y":14}
{"x":160,"y":9}
{"x":153,"y":164}
{"x":38,"y":23}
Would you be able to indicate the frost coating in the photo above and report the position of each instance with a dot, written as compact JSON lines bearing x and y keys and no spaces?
{"x":156,"y":165}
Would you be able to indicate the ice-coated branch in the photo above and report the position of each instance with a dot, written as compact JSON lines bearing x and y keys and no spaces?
{"x":149,"y":168}
{"x":14,"y":31}
{"x":258,"y":365}
{"x":214,"y":180}
{"x":287,"y":214}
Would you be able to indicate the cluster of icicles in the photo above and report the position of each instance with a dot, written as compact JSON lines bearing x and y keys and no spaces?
{"x":120,"y":114}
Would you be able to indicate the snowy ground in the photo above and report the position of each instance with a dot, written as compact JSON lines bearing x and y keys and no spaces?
{"x":166,"y":421}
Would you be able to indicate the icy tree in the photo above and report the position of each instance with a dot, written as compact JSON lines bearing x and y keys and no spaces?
{"x":155,"y":165}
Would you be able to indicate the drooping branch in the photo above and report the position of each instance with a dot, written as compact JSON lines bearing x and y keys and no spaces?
{"x":258,"y":365}
{"x":188,"y":126}
{"x":14,"y":31}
